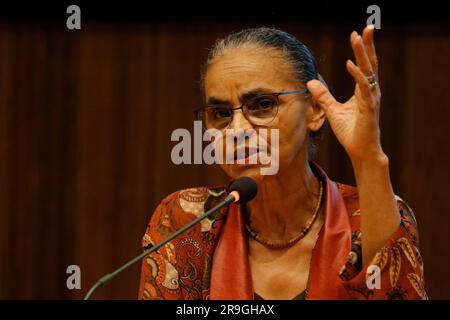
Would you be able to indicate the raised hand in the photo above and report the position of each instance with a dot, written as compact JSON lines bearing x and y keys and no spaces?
{"x":356,"y":121}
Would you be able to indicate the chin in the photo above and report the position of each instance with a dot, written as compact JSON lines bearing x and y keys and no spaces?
{"x":253,"y":171}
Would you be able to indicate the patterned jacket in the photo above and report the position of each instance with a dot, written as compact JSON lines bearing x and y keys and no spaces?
{"x":210,"y":261}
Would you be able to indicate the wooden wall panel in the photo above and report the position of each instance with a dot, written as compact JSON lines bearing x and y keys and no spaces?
{"x":85,"y":124}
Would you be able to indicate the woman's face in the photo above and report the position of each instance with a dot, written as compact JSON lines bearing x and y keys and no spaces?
{"x":240,"y":71}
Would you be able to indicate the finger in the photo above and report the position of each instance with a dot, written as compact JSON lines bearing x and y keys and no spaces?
{"x":369,"y":46}
{"x":361,"y":80}
{"x":362,"y":60}
{"x":321,"y":94}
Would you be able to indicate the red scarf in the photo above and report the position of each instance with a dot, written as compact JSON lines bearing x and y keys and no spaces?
{"x":231,"y":277}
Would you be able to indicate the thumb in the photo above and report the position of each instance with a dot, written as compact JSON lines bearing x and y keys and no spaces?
{"x":321,"y":94}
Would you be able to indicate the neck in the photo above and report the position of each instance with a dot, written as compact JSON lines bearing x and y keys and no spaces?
{"x":284,"y":202}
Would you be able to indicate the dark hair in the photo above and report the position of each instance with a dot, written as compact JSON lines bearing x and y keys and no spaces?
{"x":297,"y":54}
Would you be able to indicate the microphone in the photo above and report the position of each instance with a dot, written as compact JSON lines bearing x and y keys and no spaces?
{"x":242,"y":190}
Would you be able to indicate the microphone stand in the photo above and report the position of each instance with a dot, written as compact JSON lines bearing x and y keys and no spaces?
{"x":229,"y":199}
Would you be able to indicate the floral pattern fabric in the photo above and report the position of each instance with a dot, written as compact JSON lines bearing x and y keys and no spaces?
{"x":181,"y":270}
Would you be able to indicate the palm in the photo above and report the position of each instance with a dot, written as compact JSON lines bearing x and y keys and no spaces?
{"x":355,"y":122}
{"x":354,"y":130}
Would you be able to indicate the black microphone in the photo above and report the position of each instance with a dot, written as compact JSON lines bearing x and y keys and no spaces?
{"x":241,"y":190}
{"x":245,"y":187}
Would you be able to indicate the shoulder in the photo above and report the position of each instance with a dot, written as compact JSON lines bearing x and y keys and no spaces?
{"x":194,"y":194}
{"x":193,"y":200}
{"x":176,"y":269}
{"x":182,"y":206}
{"x":350,"y":196}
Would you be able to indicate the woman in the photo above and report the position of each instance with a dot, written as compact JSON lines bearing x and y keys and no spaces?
{"x":303,"y":236}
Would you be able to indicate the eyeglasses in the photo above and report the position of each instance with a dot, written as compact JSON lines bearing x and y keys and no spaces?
{"x":260,"y":109}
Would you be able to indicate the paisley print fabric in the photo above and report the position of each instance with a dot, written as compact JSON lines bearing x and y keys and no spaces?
{"x":182,"y":268}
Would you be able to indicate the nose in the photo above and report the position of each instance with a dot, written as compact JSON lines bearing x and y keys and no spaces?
{"x":240,"y":121}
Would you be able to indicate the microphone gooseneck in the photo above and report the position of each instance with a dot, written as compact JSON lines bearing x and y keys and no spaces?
{"x":241,"y":190}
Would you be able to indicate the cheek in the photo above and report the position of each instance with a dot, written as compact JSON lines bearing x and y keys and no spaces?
{"x":293,"y":129}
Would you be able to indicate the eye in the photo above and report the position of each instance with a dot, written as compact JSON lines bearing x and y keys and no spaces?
{"x":263,"y":103}
{"x":220,"y":113}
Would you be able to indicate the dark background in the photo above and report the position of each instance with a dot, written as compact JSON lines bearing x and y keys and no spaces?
{"x":86,"y":118}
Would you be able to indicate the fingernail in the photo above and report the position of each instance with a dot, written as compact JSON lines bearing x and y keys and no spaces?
{"x":370,"y":27}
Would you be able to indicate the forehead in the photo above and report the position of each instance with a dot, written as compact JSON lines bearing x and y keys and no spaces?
{"x":242,"y":69}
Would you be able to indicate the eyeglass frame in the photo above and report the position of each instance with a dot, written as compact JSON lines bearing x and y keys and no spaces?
{"x":241,"y":107}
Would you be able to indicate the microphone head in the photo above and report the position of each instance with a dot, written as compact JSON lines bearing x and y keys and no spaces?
{"x":246,"y":187}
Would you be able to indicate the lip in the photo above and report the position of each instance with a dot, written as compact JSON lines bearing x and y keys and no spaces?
{"x":247,"y":152}
{"x":250,"y":156}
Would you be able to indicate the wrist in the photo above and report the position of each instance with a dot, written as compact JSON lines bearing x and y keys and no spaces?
{"x":380,"y":161}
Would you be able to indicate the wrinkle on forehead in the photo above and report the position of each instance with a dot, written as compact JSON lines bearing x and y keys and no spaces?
{"x":244,"y":68}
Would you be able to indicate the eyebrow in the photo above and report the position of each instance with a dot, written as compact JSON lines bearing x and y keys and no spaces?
{"x":249,"y":94}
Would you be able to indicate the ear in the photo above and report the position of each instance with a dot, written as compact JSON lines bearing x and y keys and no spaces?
{"x":315,"y":116}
